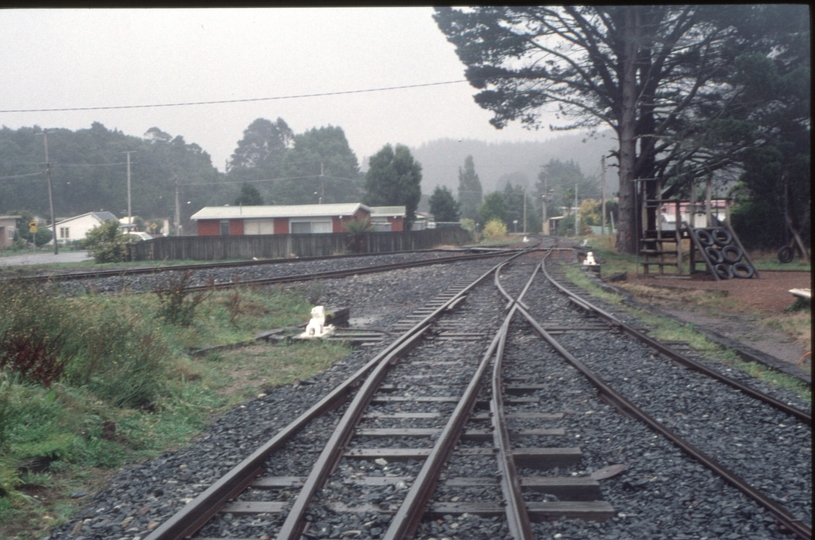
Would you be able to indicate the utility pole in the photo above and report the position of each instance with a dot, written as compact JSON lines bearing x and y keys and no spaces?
{"x":545,"y":225}
{"x":603,"y":191}
{"x":129,"y":212}
{"x":50,"y":193}
{"x":576,"y":212}
{"x":524,"y":209}
{"x":322,"y":177}
{"x":177,"y":210}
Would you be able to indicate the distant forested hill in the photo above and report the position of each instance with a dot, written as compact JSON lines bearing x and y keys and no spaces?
{"x":89,"y":172}
{"x":442,"y":158}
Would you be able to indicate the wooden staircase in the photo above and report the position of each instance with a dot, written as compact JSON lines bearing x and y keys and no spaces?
{"x":717,"y":247}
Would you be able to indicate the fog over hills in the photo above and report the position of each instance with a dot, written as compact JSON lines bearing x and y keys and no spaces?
{"x":442,"y":158}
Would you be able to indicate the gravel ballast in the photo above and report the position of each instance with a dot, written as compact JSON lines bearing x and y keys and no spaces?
{"x":660,"y":494}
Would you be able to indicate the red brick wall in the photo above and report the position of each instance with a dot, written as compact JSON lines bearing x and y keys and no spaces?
{"x":281,"y":225}
{"x":235,"y":227}
{"x":397,"y":224}
{"x":209,"y":227}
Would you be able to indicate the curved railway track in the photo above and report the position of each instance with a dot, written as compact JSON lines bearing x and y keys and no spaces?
{"x":456,"y":427}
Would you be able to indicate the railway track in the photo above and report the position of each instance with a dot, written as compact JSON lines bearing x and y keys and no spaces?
{"x":361,"y":261}
{"x":457,"y":428}
{"x":248,"y":273}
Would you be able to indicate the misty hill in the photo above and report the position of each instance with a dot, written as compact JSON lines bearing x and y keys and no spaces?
{"x":442,"y":158}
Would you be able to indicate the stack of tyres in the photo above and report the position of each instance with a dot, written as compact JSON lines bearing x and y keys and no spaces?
{"x":726,"y":256}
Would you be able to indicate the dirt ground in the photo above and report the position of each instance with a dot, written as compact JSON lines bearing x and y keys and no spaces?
{"x":753,"y":311}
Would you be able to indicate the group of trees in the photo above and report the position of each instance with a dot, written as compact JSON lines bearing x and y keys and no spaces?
{"x":690,"y":90}
{"x":89,"y":170}
{"x":516,"y":206}
{"x":270,"y":165}
{"x":315,"y":166}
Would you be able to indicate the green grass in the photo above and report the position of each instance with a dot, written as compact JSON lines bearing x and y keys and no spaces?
{"x":76,"y":433}
{"x":613,"y":262}
{"x":667,"y":329}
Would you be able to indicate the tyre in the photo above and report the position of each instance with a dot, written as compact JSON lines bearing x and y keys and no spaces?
{"x":705,"y":238}
{"x":732,"y":253}
{"x":743,"y":270}
{"x":786,"y":254}
{"x":723,"y":271}
{"x":722,"y":237}
{"x":714,"y":255}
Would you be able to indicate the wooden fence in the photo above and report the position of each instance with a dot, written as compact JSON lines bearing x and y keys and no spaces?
{"x":279,"y":246}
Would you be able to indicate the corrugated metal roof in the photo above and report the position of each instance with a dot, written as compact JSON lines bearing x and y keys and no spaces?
{"x":259,"y":212}
{"x":388,"y":210}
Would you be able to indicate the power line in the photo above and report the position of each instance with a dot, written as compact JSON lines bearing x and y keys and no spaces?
{"x":58,"y":164}
{"x":22,"y":175}
{"x":237,"y":182}
{"x":184,"y":104}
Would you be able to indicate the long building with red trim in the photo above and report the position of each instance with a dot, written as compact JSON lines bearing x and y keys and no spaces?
{"x":294,"y":219}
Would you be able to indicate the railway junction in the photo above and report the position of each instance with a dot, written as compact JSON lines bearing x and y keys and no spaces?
{"x":502,"y":403}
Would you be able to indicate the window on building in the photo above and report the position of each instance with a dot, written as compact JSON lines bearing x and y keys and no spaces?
{"x":258,"y":226}
{"x":225,"y":228}
{"x":311,"y":227}
{"x":64,"y":232}
{"x":380,"y":225}
{"x":301,"y":227}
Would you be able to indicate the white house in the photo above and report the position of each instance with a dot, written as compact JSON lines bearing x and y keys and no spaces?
{"x":76,"y":228}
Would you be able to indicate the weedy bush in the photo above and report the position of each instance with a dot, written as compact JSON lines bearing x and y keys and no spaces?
{"x":107,"y":243}
{"x":33,"y":355}
{"x":117,"y":354}
{"x":177,"y":302}
{"x":495,"y":229}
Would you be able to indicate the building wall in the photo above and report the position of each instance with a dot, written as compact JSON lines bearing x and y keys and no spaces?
{"x":281,"y":225}
{"x":397,"y":223}
{"x":78,"y":228}
{"x":7,"y":228}
{"x":209,"y":227}
{"x":238,"y":227}
{"x":235,"y":227}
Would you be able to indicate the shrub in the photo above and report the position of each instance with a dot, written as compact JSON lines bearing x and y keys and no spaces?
{"x":176,"y":302}
{"x":357,"y":228}
{"x":495,"y":229}
{"x":107,"y":243}
{"x":468,"y":225}
{"x":33,"y":355}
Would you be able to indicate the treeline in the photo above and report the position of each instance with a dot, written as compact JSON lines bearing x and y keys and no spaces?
{"x":89,"y":170}
{"x":518,"y":206}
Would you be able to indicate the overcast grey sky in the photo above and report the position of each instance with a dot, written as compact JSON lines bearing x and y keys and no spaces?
{"x":81,"y":58}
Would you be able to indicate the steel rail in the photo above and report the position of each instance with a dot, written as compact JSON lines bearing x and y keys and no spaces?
{"x":124,"y":272}
{"x":121,"y":272}
{"x":335,"y":274}
{"x":679,"y":358}
{"x":627,"y":408}
{"x":195,"y":514}
{"x":406,"y":520}
{"x":506,"y":295}
{"x":294,"y":524}
{"x":518,"y":521}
